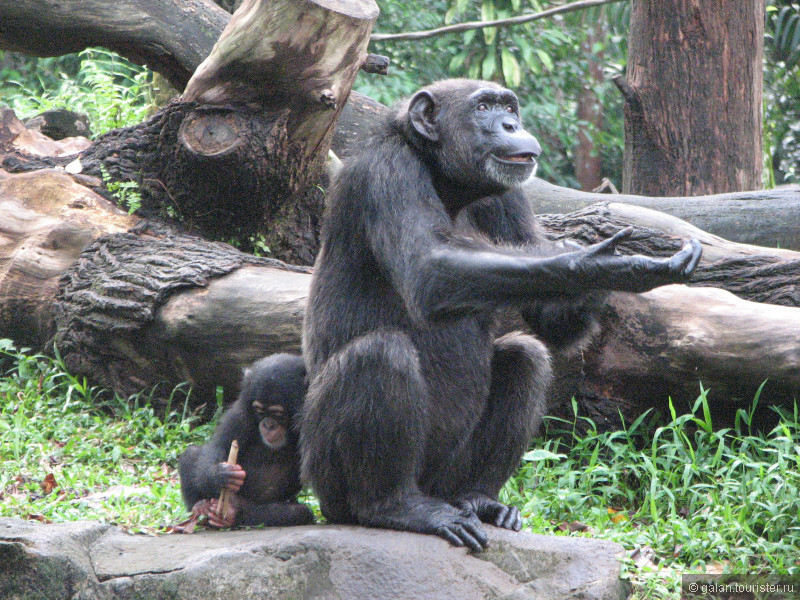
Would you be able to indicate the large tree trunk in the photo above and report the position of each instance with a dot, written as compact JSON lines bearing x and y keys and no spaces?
{"x":693,"y":97}
{"x":588,"y":162}
{"x":238,"y":156}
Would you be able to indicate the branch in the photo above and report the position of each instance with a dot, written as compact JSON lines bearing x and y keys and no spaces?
{"x":550,"y":12}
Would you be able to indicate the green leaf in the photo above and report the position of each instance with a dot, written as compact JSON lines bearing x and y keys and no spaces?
{"x":511,"y":70}
{"x":488,"y":13}
{"x":545,"y":58}
{"x":457,"y":62}
{"x":450,"y":15}
{"x":540,"y":454}
{"x":489,"y":64}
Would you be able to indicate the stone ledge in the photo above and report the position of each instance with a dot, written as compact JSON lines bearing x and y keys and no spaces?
{"x":90,"y":561}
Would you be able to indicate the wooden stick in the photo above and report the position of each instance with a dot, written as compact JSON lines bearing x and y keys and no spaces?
{"x":224,"y":497}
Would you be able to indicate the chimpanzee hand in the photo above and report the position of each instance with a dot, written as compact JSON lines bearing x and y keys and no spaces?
{"x":231,"y":477}
{"x":600,"y":265}
{"x":460,"y":527}
{"x":215,"y":516}
{"x":210,"y":509}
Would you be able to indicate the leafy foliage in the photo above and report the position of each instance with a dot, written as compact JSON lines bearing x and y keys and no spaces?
{"x":545,"y":62}
{"x":127,"y":193}
{"x":412,"y":63}
{"x":69,"y":451}
{"x":692,"y":496}
{"x":110,"y":90}
{"x":782,"y":93}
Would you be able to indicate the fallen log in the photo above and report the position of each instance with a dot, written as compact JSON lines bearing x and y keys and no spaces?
{"x":769,"y":218}
{"x":666,"y":343}
{"x":170,"y":36}
{"x":131,"y":304}
{"x":46,"y":220}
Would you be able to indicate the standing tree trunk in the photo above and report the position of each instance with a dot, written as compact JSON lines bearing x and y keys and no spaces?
{"x":588,"y":162}
{"x":693,"y":97}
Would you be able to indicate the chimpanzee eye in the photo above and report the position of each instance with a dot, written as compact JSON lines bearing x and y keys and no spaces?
{"x":482,"y":107}
{"x":511,"y":109}
{"x":276,"y":411}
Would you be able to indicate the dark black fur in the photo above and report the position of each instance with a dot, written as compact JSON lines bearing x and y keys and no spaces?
{"x":269,"y":494}
{"x":416,"y":414}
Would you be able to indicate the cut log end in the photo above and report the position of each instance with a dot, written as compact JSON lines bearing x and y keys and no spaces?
{"x":376,"y":64}
{"x":212,"y":134}
{"x":357,"y":9}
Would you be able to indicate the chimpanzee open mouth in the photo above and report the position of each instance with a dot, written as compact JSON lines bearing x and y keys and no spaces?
{"x":521,"y":158}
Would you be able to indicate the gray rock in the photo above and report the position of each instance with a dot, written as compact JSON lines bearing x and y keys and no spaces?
{"x":91,"y":561}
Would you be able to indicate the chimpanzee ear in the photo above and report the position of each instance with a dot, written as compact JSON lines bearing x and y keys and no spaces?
{"x":422,"y":113}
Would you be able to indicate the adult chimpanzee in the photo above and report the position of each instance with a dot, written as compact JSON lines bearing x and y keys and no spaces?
{"x":416,"y":414}
{"x":267,"y":479}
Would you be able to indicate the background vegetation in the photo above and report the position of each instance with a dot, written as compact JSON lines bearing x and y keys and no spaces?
{"x":679,"y":496}
{"x":676,"y":493}
{"x":547,"y":62}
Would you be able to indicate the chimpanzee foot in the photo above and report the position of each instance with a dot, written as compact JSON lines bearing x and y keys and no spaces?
{"x":462,"y":529}
{"x":491,"y":511}
{"x":421,"y":514}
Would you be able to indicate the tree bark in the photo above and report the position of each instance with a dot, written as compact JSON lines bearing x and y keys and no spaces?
{"x":769,"y":218}
{"x":669,"y":342}
{"x":693,"y":97}
{"x":295,"y":60}
{"x":133,"y":308}
{"x":46,"y":220}
{"x":588,"y":162}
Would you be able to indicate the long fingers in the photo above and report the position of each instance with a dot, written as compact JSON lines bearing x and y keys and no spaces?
{"x":688,"y":258}
{"x":465,"y":531}
{"x":679,"y":267}
{"x":234,"y":477}
{"x":510,"y":518}
{"x":609,"y":245}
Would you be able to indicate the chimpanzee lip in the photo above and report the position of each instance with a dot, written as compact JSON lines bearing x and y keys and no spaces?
{"x":522,"y":158}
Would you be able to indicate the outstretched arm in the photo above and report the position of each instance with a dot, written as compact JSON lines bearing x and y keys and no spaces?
{"x":509,"y":220}
{"x":476,"y":276}
{"x":437,"y":274}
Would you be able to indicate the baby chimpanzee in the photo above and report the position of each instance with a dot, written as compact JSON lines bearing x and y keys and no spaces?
{"x":267,"y":479}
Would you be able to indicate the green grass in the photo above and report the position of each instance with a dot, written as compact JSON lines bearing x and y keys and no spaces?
{"x":112,"y":459}
{"x":688,"y":497}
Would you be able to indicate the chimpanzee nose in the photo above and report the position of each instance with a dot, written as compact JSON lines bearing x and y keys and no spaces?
{"x":510,"y":126}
